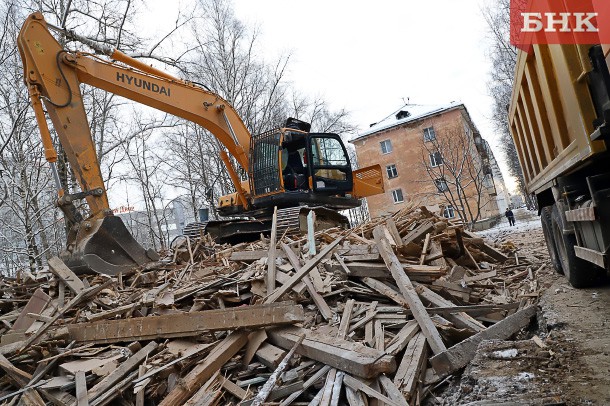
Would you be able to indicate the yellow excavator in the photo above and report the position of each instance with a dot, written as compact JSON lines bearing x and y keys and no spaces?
{"x":287,"y":168}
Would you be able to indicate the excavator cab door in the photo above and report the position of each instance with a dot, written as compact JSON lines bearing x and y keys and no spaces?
{"x":329,"y":164}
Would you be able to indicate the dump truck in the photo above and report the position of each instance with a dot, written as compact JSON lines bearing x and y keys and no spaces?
{"x":559,"y":119}
{"x":289,"y":168}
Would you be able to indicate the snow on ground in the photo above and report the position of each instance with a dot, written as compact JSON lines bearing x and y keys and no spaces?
{"x":525,"y":220}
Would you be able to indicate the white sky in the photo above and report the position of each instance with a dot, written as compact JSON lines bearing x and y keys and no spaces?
{"x":367,"y":57}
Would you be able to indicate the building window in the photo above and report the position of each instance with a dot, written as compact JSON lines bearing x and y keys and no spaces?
{"x":386,"y":147}
{"x":429,"y":134}
{"x":441,"y":185}
{"x":449,"y":213}
{"x":391,"y":170}
{"x":436,"y":159}
{"x":397,"y":196}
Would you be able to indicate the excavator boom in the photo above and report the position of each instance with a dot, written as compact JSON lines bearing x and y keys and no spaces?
{"x":277,"y":162}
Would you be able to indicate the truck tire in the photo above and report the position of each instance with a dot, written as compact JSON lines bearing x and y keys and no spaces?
{"x":580,"y":273}
{"x":549,"y":238}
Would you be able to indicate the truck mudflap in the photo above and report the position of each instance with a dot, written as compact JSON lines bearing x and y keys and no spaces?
{"x":106,"y":246}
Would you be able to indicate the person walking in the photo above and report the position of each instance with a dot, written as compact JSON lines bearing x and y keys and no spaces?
{"x":510,"y":216}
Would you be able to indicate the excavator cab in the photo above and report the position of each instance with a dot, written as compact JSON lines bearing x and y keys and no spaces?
{"x":291,"y":166}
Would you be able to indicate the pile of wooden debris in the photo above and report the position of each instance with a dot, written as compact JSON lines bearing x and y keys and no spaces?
{"x":383,"y":312}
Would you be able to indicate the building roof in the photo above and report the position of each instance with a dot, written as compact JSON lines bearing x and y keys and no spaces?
{"x":407,"y":114}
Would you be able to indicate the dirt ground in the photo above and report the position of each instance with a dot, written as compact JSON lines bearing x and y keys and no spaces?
{"x":570,"y":364}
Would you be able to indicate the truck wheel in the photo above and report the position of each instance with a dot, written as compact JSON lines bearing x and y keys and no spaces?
{"x":547,"y":230}
{"x":579,"y":273}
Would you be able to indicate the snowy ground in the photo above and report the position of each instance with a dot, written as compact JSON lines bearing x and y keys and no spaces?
{"x":525,"y":220}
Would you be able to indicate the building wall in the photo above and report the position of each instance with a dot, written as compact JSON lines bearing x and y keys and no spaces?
{"x":408,"y":155}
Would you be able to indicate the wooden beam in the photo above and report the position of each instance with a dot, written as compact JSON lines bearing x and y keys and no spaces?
{"x":461,"y":354}
{"x":422,"y":273}
{"x":351,"y":357}
{"x":184,"y":325}
{"x":408,"y":291}
{"x":305,"y":269}
{"x":65,"y":274}
{"x":203,"y":371}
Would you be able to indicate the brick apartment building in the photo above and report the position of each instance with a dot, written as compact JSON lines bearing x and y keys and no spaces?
{"x":407,"y":145}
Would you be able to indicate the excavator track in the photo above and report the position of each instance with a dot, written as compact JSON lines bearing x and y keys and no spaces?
{"x":292,"y":220}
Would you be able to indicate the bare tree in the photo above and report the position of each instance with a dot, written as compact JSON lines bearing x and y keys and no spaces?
{"x":503,"y":57}
{"x":457,"y":169}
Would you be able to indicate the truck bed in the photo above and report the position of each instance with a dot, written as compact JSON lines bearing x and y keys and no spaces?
{"x":553,"y":135}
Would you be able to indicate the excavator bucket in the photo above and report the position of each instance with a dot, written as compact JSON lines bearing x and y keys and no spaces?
{"x":106,"y":246}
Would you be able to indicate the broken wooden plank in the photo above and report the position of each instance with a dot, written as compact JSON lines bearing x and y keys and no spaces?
{"x":251,"y":256}
{"x":81,"y":389}
{"x":233,"y":389}
{"x":283,"y":277}
{"x":81,"y":296}
{"x":462,"y":353}
{"x":37,"y":303}
{"x":422,"y":273}
{"x":270,"y":355}
{"x":347,"y":356}
{"x":412,"y":365}
{"x":185,"y":324}
{"x":358,"y":385}
{"x":402,"y":338}
{"x":346,"y":317}
{"x":65,"y":274}
{"x":392,"y":391}
{"x":408,"y":291}
{"x":305,"y":269}
{"x":219,"y":355}
{"x":386,"y":291}
{"x":424,"y":250}
{"x":325,"y":310}
{"x":273,"y":378}
{"x":119,"y":374}
{"x":255,"y":340}
{"x":460,"y":320}
{"x":487,"y":249}
{"x":418,"y":233}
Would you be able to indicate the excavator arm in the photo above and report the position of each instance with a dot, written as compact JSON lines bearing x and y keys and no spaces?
{"x":53,"y":77}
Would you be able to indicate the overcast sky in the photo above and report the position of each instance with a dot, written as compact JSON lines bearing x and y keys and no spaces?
{"x":370,"y":56}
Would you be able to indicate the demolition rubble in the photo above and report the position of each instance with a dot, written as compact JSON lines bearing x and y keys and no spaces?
{"x":384,"y":312}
